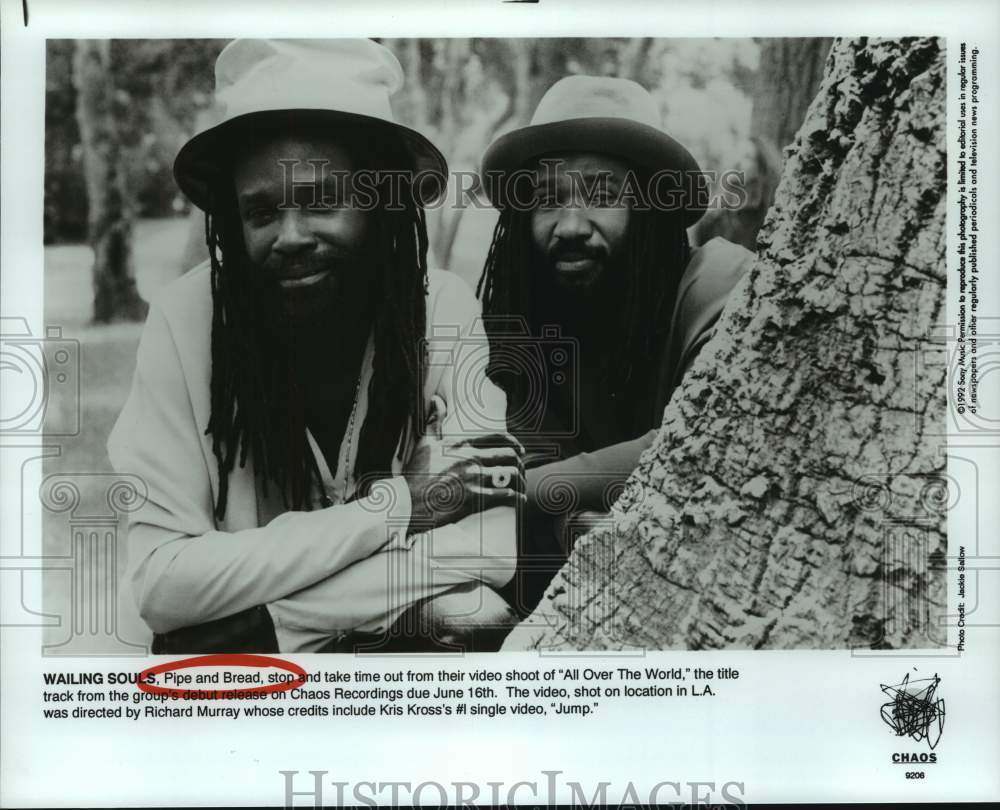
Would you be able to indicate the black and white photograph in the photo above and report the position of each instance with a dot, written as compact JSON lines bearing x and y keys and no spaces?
{"x":582,"y":343}
{"x":496,"y":403}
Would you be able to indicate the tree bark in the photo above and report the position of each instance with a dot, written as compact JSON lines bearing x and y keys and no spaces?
{"x":109,"y":221}
{"x":795,"y":496}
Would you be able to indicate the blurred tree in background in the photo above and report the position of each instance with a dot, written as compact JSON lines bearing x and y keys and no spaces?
{"x":65,"y":208}
{"x":160,"y":86}
{"x":779,"y":108}
{"x":116,"y":113}
{"x":109,"y":220}
{"x":779,"y":105}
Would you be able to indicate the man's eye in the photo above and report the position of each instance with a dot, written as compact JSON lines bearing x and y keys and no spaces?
{"x":329,"y":203}
{"x":259,"y":216}
{"x":604,"y":199}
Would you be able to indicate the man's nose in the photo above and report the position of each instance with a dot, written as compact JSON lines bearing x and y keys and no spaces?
{"x":294,"y":235}
{"x":572,"y":224}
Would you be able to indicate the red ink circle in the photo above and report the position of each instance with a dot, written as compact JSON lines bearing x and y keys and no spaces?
{"x":221,"y":660}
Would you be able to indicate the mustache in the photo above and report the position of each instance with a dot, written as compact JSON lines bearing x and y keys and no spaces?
{"x":347,"y":284}
{"x":306,"y":265}
{"x":573,"y":251}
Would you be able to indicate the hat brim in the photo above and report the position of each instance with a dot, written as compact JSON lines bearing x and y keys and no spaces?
{"x":634,"y":142}
{"x":207,"y":156}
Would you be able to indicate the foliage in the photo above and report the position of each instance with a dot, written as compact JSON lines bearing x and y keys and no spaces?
{"x":160,"y":86}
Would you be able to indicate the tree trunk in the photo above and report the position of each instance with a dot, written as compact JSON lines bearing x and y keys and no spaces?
{"x":795,"y":496}
{"x":416,"y":97}
{"x":109,"y":220}
{"x":790,"y":71}
{"x":779,"y":107}
{"x":634,"y":57}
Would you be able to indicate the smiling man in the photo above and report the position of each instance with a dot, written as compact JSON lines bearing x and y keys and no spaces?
{"x":283,"y":417}
{"x":591,"y":247}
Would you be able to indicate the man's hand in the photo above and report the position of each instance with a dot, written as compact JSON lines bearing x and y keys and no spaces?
{"x":450,"y":481}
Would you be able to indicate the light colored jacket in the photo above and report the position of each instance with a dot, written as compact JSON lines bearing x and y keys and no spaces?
{"x":320,"y":572}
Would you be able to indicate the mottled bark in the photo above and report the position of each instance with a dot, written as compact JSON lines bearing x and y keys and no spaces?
{"x":795,"y":496}
{"x":109,"y":220}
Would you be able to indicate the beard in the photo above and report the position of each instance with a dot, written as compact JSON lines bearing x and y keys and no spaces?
{"x":310,"y":337}
{"x":300,"y":320}
{"x":576,"y":269}
{"x":580,"y":300}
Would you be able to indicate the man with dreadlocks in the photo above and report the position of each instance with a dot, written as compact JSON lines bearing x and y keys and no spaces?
{"x":591,"y":248}
{"x":309,"y":488}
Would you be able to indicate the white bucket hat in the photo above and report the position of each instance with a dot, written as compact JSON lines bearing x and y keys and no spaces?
{"x":592,"y":114}
{"x":298,"y":84}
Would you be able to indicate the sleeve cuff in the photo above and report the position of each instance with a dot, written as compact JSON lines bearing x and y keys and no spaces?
{"x":391,"y":497}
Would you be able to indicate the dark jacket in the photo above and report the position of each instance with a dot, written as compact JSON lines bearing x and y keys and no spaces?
{"x":594,"y":473}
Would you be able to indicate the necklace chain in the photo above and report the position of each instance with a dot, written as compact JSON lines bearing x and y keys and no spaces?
{"x":349,"y":439}
{"x":350,"y":435}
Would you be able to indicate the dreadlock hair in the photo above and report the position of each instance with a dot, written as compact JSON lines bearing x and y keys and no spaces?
{"x":654,"y":257}
{"x":254,"y":395}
